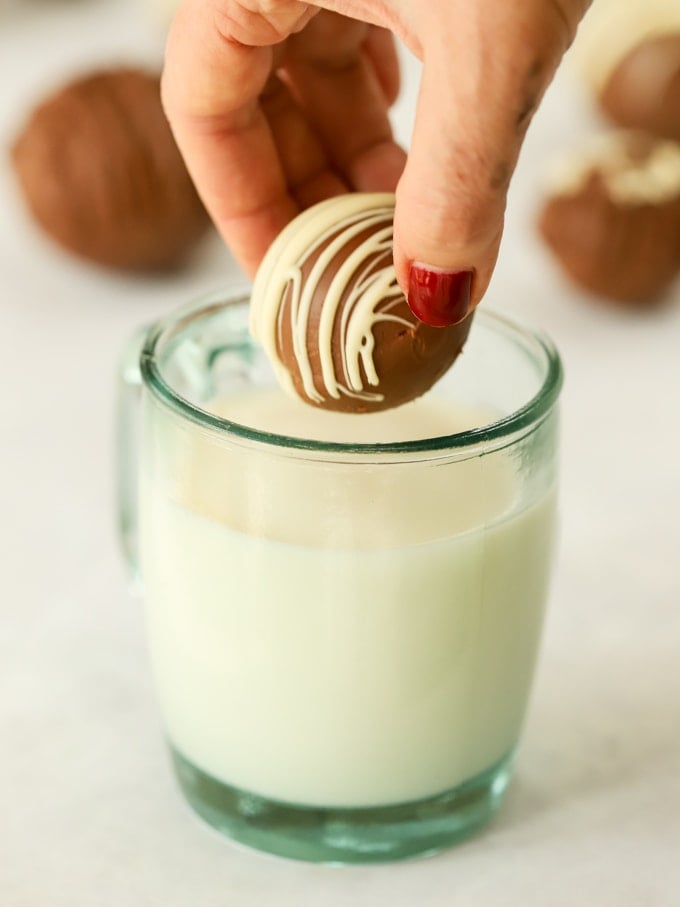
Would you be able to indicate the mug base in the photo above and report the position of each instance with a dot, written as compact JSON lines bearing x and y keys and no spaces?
{"x":345,"y":836}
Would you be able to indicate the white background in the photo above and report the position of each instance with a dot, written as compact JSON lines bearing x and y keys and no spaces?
{"x":89,"y":814}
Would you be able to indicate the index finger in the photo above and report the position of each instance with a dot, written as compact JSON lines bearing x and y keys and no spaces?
{"x":211,"y":85}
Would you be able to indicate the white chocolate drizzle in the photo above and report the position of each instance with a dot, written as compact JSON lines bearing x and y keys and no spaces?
{"x":628,"y":179}
{"x":361,"y":293}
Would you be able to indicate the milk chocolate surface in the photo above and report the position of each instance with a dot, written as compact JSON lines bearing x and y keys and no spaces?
{"x":101,"y":173}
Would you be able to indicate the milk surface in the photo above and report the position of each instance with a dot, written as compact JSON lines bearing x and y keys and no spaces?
{"x":315,"y":659}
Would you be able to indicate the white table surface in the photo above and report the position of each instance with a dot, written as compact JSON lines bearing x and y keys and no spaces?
{"x":89,"y":814}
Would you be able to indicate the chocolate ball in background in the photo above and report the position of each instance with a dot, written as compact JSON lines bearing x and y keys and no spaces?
{"x":328,"y":310}
{"x":613,"y":218}
{"x":101,"y":173}
{"x":627,"y":53}
{"x":643,"y":90}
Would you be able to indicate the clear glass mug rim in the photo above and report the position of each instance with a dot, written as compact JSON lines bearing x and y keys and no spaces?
{"x":526,"y":417}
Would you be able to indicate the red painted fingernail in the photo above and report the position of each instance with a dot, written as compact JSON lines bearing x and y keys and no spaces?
{"x":439,"y":298}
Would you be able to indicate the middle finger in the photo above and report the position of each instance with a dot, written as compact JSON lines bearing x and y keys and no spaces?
{"x":334,"y":81}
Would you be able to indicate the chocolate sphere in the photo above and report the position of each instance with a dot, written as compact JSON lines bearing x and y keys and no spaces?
{"x":643,"y":90}
{"x":329,"y":312}
{"x":614,"y":222}
{"x":101,"y":173}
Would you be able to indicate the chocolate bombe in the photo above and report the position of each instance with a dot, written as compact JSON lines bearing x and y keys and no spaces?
{"x":628,"y":52}
{"x":328,"y":310}
{"x":613,"y":218}
{"x":102,"y":174}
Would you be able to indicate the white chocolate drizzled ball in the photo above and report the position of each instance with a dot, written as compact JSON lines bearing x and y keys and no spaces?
{"x":328,"y":310}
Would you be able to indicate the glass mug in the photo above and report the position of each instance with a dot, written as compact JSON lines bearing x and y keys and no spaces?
{"x":343,"y":635}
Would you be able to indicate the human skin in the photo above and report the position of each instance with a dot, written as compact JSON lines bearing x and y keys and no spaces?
{"x":277,"y":104}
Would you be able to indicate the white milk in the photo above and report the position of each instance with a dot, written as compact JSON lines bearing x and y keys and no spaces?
{"x":394,"y":664}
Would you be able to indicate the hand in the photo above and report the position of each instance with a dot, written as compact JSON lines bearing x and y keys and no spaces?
{"x":277,"y":104}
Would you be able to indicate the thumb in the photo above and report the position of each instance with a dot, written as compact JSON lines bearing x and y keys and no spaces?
{"x":482,"y":80}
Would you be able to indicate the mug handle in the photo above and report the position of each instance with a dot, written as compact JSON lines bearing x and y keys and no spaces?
{"x":128,"y":424}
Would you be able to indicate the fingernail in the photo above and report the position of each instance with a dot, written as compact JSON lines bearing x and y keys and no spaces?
{"x":439,"y":298}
